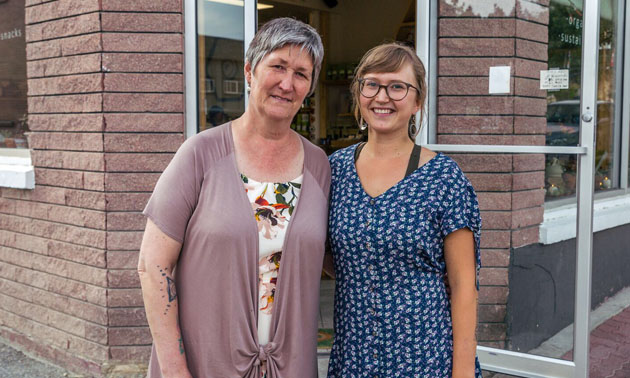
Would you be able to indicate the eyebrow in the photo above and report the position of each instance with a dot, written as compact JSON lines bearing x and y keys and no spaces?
{"x":378,"y":81}
{"x":285,"y":62}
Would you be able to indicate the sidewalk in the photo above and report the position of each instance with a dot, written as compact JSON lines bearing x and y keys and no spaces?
{"x":15,"y":364}
{"x":609,"y":353}
{"x":610,"y":348}
{"x":609,"y":341}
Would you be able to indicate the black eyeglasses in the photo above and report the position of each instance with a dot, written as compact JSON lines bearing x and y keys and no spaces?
{"x":396,"y":90}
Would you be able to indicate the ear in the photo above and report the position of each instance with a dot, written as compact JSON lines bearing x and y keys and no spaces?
{"x":417,"y":108}
{"x":248,"y":73}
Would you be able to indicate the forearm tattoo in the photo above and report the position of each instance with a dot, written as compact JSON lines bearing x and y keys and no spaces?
{"x":168,"y":288}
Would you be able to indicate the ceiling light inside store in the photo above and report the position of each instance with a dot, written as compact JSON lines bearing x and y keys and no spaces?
{"x":240,"y":3}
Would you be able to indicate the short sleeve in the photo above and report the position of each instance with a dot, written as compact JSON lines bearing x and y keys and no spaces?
{"x":463,"y":212}
{"x":176,"y":193}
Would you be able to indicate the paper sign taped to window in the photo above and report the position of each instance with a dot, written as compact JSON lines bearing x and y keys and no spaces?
{"x":554,"y":79}
{"x":499,"y":80}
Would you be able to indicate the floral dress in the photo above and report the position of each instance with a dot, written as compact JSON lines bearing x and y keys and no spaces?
{"x":392,"y":310}
{"x":273,"y":205}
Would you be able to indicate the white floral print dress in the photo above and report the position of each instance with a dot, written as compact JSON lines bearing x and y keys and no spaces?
{"x":273,"y":204}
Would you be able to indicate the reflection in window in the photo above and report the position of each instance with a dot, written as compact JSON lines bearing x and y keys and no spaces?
{"x":220,"y":69}
{"x":325,"y":118}
{"x":563,"y":105}
{"x":13,"y":125}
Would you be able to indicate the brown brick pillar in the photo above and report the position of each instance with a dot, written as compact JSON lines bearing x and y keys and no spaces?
{"x":143,"y":106}
{"x":105,"y":103}
{"x":472,"y":39}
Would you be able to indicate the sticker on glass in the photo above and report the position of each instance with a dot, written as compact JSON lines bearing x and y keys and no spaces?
{"x":554,"y":79}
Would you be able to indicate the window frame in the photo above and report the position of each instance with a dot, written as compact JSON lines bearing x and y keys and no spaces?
{"x":609,"y":206}
{"x":554,"y":219}
{"x":16,"y":168}
{"x":556,"y":226}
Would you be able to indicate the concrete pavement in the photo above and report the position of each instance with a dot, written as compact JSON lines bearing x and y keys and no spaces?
{"x":609,"y":353}
{"x":16,"y":364}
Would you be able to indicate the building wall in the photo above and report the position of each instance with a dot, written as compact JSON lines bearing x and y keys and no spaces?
{"x":105,"y":103}
{"x":106,"y":114}
{"x":471,"y":39}
{"x":542,"y":284}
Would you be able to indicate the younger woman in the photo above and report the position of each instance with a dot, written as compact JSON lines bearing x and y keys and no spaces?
{"x":401,"y":217}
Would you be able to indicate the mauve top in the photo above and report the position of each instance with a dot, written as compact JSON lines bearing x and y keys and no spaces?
{"x":199,"y":201}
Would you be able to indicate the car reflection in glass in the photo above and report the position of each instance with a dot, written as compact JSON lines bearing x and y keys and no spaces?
{"x":563,"y":121}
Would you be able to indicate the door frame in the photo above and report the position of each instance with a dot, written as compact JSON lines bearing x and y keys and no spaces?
{"x":523,"y":364}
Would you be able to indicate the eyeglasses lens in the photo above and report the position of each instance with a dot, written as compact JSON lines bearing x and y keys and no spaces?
{"x":396,"y":91}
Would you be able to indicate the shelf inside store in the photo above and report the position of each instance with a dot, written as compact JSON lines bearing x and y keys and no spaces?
{"x":337,"y":82}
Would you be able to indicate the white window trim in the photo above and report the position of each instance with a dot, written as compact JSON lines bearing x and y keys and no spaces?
{"x":560,"y":223}
{"x":16,"y":169}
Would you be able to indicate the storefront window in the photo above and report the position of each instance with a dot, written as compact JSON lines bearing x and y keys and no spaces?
{"x":563,"y":102}
{"x":325,"y":117}
{"x":13,"y":107}
{"x":220,"y":69}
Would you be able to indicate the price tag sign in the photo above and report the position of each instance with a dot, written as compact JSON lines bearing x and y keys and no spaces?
{"x":554,"y":79}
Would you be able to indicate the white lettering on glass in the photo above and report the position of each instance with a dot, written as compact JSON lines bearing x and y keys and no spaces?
{"x":15,"y":33}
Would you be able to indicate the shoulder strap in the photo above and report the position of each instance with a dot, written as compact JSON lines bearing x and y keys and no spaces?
{"x":414,"y":159}
{"x":357,"y":151}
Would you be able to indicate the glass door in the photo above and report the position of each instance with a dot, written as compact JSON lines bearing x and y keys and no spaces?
{"x":516,"y":103}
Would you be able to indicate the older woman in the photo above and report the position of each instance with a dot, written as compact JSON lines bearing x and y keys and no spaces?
{"x":232,"y":253}
{"x":401,"y":217}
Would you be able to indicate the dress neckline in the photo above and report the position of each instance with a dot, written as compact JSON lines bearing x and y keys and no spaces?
{"x":296,"y":180}
{"x":418,"y":170}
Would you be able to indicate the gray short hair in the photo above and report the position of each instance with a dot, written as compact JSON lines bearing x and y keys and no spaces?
{"x":283,"y":31}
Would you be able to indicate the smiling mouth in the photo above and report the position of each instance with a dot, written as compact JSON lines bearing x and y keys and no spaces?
{"x":383,"y":111}
{"x":281,"y":98}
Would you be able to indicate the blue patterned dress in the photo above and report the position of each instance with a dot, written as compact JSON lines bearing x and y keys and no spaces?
{"x":392,"y":311}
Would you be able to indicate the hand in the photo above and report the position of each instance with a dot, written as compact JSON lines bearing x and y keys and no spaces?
{"x":468,"y":372}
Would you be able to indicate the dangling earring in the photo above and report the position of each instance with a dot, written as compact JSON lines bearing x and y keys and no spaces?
{"x":362,"y":124}
{"x":412,"y":130}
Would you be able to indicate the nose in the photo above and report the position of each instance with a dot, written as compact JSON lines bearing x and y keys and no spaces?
{"x":381,"y":95}
{"x":286,"y":82}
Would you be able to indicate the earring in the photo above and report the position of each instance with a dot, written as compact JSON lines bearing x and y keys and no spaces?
{"x":362,"y":124}
{"x":412,"y":130}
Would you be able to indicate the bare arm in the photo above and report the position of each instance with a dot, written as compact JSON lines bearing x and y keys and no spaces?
{"x":459,"y":252}
{"x":158,"y":257}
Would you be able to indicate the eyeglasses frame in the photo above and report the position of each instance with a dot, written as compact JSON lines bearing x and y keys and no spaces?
{"x":362,"y":80}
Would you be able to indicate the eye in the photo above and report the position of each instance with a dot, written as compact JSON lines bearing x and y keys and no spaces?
{"x":397,"y":86}
{"x":278,"y":67}
{"x":302,"y":75}
{"x":371,"y":84}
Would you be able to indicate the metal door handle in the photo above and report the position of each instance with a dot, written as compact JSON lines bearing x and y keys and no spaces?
{"x":587,"y":117}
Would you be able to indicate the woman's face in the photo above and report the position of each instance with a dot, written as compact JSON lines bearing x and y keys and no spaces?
{"x":280,"y":83}
{"x":384,"y":115}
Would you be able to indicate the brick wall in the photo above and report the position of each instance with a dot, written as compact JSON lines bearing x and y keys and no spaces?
{"x":472,"y":38}
{"x":143,"y":106}
{"x":105,"y":102}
